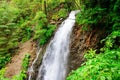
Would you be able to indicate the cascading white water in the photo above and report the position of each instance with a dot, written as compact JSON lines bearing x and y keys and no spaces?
{"x":31,"y":70}
{"x":54,"y":64}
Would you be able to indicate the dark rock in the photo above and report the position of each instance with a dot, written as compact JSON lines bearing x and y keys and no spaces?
{"x":81,"y":41}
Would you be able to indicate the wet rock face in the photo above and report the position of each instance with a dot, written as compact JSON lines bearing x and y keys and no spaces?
{"x":37,"y":63}
{"x":82,"y":41}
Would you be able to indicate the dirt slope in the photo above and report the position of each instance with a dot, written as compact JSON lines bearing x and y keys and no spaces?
{"x":14,"y":67}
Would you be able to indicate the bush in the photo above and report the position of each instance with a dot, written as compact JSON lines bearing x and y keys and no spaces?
{"x":47,"y":34}
{"x":8,"y":34}
{"x":4,"y":59}
{"x":2,"y":72}
{"x":22,"y":75}
{"x":62,"y":13}
{"x":105,"y":64}
{"x":102,"y":66}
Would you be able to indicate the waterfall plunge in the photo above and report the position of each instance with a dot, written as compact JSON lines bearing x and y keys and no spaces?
{"x":54,"y":64}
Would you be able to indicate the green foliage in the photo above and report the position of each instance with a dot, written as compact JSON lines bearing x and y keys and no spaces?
{"x":62,"y":13}
{"x":116,"y":7}
{"x":25,"y":61}
{"x":7,"y":13}
{"x":41,"y":21}
{"x":4,"y":59}
{"x":90,"y":54}
{"x":8,"y":35}
{"x":25,"y":30}
{"x":2,"y":72}
{"x":40,"y":16}
{"x":47,"y":34}
{"x":73,"y":4}
{"x":98,"y":14}
{"x":19,"y":21}
{"x":22,"y":75}
{"x":51,"y":4}
{"x":104,"y":65}
{"x":42,"y":30}
{"x":91,"y":17}
{"x":50,"y":30}
{"x":110,"y":41}
{"x":11,"y":31}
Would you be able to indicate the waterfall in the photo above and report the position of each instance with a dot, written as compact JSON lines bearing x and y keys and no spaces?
{"x":54,"y":63}
{"x":31,"y":69}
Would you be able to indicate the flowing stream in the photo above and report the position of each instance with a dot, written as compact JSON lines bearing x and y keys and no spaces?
{"x":54,"y":63}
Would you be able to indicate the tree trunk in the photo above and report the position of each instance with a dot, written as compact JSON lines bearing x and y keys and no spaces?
{"x":44,"y":6}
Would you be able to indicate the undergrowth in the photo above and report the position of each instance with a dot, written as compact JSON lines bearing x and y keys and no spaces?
{"x":19,"y":22}
{"x":22,"y":75}
{"x":102,"y":66}
{"x":105,"y":64}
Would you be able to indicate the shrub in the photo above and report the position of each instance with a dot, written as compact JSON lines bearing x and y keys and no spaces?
{"x":22,"y":75}
{"x":102,"y":66}
{"x":2,"y":72}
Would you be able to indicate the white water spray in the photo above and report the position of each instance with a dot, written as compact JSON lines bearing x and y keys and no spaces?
{"x":54,"y":64}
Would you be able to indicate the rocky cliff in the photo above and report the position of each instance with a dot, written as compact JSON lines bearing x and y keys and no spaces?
{"x":81,"y":41}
